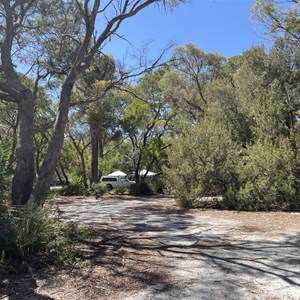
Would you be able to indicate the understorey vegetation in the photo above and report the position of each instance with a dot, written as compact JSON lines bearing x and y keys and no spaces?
{"x":31,"y":233}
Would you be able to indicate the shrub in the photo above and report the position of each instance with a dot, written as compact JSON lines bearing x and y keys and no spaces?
{"x":73,"y":190}
{"x":77,"y":189}
{"x":95,"y":189}
{"x":120,"y":190}
{"x":31,"y":230}
{"x":183,"y":200}
{"x":202,"y":162}
{"x":158,"y":184}
{"x":140,"y":189}
{"x":266,"y":178}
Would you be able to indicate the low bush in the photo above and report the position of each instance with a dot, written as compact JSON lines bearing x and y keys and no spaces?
{"x":183,"y":201}
{"x":77,"y":189}
{"x":96,"y":190}
{"x":265,"y":175}
{"x":31,"y":230}
{"x":73,"y":190}
{"x":120,"y":190}
{"x":140,"y":189}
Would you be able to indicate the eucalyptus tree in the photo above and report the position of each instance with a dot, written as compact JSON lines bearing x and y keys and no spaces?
{"x":95,"y":99}
{"x":59,"y":40}
{"x":245,"y":146}
{"x":191,"y":71}
{"x":280,"y":17}
{"x":146,"y":122}
{"x":80,"y":140}
{"x":284,"y":60}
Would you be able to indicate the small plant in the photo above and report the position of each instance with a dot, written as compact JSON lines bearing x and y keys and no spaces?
{"x":183,"y":201}
{"x":120,"y":190}
{"x":31,"y":230}
{"x":96,"y":190}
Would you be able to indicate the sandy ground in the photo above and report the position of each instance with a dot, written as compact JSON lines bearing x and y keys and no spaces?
{"x":147,"y":248}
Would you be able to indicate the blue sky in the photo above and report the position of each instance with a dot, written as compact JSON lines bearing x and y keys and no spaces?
{"x":222,"y":26}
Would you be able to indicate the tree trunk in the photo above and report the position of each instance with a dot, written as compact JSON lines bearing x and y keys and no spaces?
{"x":137,"y":168}
{"x":24,"y":173}
{"x":85,"y":177}
{"x":95,"y":153}
{"x":47,"y":170}
{"x":101,"y":154}
{"x":59,"y":177}
{"x":64,"y":173}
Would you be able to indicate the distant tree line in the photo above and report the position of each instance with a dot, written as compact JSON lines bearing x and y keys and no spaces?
{"x":210,"y":126}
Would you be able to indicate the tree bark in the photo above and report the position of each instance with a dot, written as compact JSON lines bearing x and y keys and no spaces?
{"x":82,"y":160}
{"x":24,"y":173}
{"x":59,"y":177}
{"x":138,"y":168}
{"x":47,"y":170}
{"x":64,"y":173}
{"x":15,"y":91}
{"x":95,"y":152}
{"x":85,"y":177}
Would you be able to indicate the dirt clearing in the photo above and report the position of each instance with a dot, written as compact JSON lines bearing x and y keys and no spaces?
{"x":147,"y":248}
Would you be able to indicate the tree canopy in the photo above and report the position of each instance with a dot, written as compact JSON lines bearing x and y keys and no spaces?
{"x":208,"y":125}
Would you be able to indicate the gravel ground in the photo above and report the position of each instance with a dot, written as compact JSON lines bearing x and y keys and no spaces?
{"x":206,"y":254}
{"x":147,"y":248}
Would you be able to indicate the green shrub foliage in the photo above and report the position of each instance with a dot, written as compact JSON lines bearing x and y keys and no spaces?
{"x":244,"y":146}
{"x":78,"y":189}
{"x":266,"y":179}
{"x":203,"y":163}
{"x":140,"y":189}
{"x":30,"y":230}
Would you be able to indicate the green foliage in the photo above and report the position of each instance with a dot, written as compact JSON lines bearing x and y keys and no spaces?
{"x":4,"y":177}
{"x":146,"y":121}
{"x":158,"y":184}
{"x":280,"y":17}
{"x":96,"y":190}
{"x":77,"y":189}
{"x":245,"y":144}
{"x":183,"y":200}
{"x":202,"y":162}
{"x":102,"y":68}
{"x":30,"y":230}
{"x":265,"y":177}
{"x":120,"y":190}
{"x":140,"y":189}
{"x":224,"y":105}
{"x":136,"y":112}
{"x":191,"y":70}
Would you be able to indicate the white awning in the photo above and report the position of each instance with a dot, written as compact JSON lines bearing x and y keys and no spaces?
{"x":117,"y":173}
{"x":143,"y":172}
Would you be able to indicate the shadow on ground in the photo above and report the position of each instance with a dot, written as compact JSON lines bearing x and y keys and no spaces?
{"x":149,"y":249}
{"x":192,"y":253}
{"x":19,"y":286}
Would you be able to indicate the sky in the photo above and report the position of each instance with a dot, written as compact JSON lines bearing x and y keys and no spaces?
{"x":223,"y":26}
